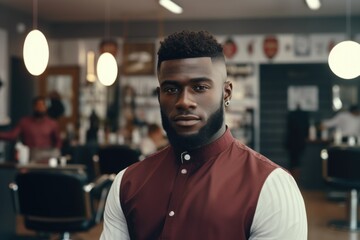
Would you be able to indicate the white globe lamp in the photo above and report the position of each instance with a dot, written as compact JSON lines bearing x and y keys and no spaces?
{"x":36,"y":52}
{"x":344,"y":59}
{"x":107,"y":69}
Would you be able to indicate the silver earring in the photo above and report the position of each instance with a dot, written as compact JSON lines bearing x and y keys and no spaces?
{"x":227,"y":103}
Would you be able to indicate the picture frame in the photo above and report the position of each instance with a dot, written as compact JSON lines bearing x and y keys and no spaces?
{"x":138,"y":58}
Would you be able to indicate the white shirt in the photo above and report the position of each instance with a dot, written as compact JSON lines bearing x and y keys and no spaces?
{"x":347,"y":123}
{"x":280,"y":212}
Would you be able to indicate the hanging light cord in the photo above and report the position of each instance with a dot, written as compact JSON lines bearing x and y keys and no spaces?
{"x":348,"y":22}
{"x":35,"y":5}
{"x":107,"y":20}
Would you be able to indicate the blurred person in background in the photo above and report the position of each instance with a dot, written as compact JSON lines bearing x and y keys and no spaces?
{"x":38,"y":132}
{"x":56,"y":108}
{"x":297,"y":133}
{"x":154,"y":141}
{"x":345,"y":123}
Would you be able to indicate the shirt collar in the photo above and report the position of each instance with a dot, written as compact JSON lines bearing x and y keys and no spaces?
{"x":204,"y":153}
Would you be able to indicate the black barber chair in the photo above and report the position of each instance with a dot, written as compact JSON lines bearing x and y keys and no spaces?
{"x":56,"y":200}
{"x":114,"y":158}
{"x":341,"y":170}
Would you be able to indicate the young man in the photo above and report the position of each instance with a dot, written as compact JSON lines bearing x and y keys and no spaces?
{"x":39,"y":132}
{"x":206,"y":184}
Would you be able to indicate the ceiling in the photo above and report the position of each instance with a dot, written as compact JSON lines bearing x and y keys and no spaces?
{"x":95,"y":10}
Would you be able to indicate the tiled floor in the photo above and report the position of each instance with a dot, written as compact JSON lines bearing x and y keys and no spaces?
{"x":319,"y":211}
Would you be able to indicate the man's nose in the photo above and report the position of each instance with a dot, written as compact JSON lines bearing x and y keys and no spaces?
{"x":185,"y":100}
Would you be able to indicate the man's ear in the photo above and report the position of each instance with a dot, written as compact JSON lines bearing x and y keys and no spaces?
{"x":228,"y":87}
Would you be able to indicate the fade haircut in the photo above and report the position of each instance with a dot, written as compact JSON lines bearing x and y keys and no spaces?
{"x":189,"y":44}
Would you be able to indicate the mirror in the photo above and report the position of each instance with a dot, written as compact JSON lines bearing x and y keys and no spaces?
{"x":61,"y":86}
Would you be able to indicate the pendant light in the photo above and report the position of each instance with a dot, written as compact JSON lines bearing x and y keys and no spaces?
{"x":106,"y":68}
{"x":171,"y":6}
{"x":344,"y":58}
{"x":36,"y":48}
{"x":313,"y":4}
{"x":90,"y":63}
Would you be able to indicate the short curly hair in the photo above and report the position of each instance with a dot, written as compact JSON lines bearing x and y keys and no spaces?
{"x":189,"y":44}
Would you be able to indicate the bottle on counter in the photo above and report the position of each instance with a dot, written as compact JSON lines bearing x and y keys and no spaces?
{"x":312,"y":131}
{"x":23,"y":153}
{"x":324,"y":134}
{"x":337,"y":137}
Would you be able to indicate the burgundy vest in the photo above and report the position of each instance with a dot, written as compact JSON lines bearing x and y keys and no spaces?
{"x":212,"y":195}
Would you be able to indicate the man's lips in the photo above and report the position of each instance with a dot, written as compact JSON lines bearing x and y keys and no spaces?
{"x":186,"y":120}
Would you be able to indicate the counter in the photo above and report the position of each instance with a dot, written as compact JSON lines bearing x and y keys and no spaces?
{"x":311,"y":166}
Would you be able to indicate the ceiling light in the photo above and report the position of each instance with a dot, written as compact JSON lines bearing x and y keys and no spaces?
{"x":36,"y":48}
{"x":36,"y":52}
{"x":313,"y":4}
{"x":90,"y":60}
{"x":107,"y":69}
{"x":171,"y":6}
{"x":344,"y":58}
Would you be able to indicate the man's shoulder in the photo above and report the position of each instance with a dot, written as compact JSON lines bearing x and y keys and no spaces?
{"x":255,"y":158}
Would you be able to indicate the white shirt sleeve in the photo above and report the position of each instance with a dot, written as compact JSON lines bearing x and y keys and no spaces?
{"x":115,"y":226}
{"x":280,"y":213}
{"x":332,"y":122}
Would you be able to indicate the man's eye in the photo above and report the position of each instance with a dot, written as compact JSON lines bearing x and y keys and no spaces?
{"x":200,"y":88}
{"x":170,"y":90}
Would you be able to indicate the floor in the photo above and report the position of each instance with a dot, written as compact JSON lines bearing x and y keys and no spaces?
{"x":319,"y":211}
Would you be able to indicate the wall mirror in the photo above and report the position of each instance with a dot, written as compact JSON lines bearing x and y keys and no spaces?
{"x":61,"y":83}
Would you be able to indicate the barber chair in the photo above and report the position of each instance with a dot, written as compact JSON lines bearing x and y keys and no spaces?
{"x":114,"y":158}
{"x":83,"y":154}
{"x":341,"y":166}
{"x":57,"y":200}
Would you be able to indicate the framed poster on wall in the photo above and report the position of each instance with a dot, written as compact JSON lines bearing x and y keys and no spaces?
{"x":306,"y":97}
{"x":139,"y":59}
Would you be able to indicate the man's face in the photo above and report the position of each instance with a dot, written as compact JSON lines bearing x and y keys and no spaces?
{"x":40,"y":108}
{"x":191,"y":98}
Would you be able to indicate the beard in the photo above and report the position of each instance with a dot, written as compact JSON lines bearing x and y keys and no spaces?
{"x":201,"y":138}
{"x":39,"y":114}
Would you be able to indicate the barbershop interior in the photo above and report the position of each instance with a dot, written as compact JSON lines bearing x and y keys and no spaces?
{"x":90,"y":67}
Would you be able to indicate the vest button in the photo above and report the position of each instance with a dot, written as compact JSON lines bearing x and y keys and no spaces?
{"x":183,"y":171}
{"x":187,"y":157}
{"x":171,"y":213}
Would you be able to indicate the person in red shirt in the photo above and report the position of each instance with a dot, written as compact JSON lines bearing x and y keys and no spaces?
{"x":38,"y":131}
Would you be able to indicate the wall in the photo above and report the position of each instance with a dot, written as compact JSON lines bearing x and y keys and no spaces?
{"x":146,"y":29}
{"x":69,"y":41}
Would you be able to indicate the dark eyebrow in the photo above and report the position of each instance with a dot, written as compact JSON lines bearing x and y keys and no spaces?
{"x":169,"y":82}
{"x":201,"y":79}
{"x":193,"y":80}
